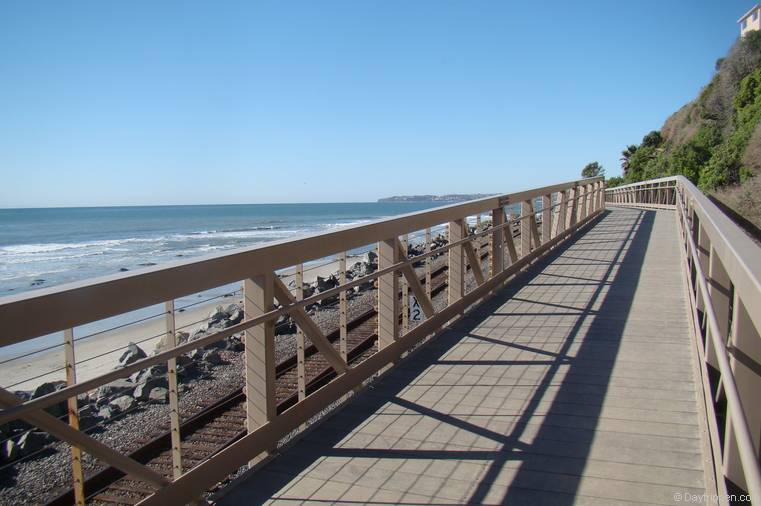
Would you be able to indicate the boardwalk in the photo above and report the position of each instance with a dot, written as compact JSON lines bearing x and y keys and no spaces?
{"x":573,"y":386}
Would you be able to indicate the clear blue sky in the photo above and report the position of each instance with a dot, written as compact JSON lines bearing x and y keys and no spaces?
{"x":109,"y":103}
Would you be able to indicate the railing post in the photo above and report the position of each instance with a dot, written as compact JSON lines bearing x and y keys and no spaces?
{"x":560,"y":223}
{"x":744,"y":359}
{"x":496,"y":253}
{"x":583,"y":204}
{"x":428,"y":262}
{"x":300,"y":358}
{"x":260,"y":354}
{"x":526,"y":210}
{"x":456,"y":273}
{"x":174,"y":394}
{"x":77,"y":475}
{"x":574,"y":205}
{"x":477,"y":242}
{"x":405,"y":291}
{"x":388,"y":294}
{"x":546,"y":217}
{"x":342,"y":345}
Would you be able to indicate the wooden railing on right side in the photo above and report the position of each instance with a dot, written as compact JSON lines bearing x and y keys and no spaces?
{"x":723,"y":274}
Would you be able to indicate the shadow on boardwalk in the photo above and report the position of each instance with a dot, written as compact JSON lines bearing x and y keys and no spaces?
{"x":593,"y":327}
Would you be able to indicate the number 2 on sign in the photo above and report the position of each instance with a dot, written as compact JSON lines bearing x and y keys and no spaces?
{"x":416,"y":312}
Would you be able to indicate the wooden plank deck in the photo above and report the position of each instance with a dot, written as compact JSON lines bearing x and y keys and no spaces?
{"x":573,"y":386}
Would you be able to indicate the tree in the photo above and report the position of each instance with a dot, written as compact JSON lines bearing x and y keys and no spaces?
{"x":626,"y":155}
{"x":593,"y":169}
{"x":653,"y":139}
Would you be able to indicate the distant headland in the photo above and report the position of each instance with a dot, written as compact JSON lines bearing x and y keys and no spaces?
{"x":454,"y":197}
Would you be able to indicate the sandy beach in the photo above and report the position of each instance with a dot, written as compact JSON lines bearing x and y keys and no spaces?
{"x":99,"y":354}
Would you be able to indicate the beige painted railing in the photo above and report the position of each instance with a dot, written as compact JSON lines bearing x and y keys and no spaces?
{"x":723,"y":273}
{"x":565,"y":208}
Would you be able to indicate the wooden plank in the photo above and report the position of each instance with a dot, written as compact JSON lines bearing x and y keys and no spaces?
{"x":258,"y":298}
{"x":456,"y":272}
{"x":496,"y":252}
{"x":546,"y":218}
{"x":428,"y":261}
{"x":388,"y":294}
{"x":526,"y":228}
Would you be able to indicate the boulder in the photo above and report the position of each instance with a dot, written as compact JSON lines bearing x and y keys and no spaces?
{"x":123,"y":403}
{"x":56,"y":410}
{"x":323,"y":284}
{"x":235,"y":317}
{"x":107,"y":412}
{"x":212,"y":358}
{"x":106,"y":392}
{"x":217,"y":315}
{"x":10,"y":450}
{"x":33,"y":441}
{"x":158,"y":395}
{"x":143,"y":390}
{"x":163,"y":343}
{"x":154,"y":371}
{"x":132,"y":354}
{"x":235,"y":344}
{"x":189,"y":371}
{"x":370,"y":257}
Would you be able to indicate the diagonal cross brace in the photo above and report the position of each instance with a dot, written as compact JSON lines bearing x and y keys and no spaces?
{"x":473,"y":260}
{"x":283,"y":295}
{"x":64,"y":432}
{"x":414,"y":282}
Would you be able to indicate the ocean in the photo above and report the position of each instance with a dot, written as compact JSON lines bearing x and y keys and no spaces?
{"x":47,"y":247}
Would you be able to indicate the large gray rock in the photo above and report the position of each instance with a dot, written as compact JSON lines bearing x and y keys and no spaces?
{"x":107,"y":412}
{"x":10,"y":450}
{"x":123,"y":403}
{"x":33,"y":441}
{"x":108,"y":391}
{"x":132,"y":354}
{"x":212,"y":358}
{"x":56,"y":410}
{"x":158,"y":395}
{"x":152,"y":372}
{"x":143,"y":390}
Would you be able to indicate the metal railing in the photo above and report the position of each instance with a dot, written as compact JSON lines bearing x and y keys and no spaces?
{"x":564,"y":209}
{"x":723,"y":274}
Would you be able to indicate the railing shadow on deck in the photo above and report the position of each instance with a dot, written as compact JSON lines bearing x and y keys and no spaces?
{"x":602,"y":340}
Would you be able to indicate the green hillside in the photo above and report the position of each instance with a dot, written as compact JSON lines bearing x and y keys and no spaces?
{"x":715,"y":140}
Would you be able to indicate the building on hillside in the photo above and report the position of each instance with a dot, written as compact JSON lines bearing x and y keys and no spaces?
{"x":751,"y":20}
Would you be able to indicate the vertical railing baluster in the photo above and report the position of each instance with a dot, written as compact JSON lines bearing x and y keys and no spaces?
{"x":388,"y":294}
{"x":259,"y":355}
{"x":428,"y":262}
{"x":496,"y":254}
{"x":343,"y":346}
{"x":301,"y":383}
{"x":174,"y":395}
{"x":526,"y":210}
{"x":456,"y":273}
{"x":77,"y":476}
{"x":405,"y":291}
{"x":477,"y":242}
{"x":546,"y":217}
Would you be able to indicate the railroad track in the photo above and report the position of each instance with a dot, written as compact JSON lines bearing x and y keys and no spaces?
{"x":223,"y":422}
